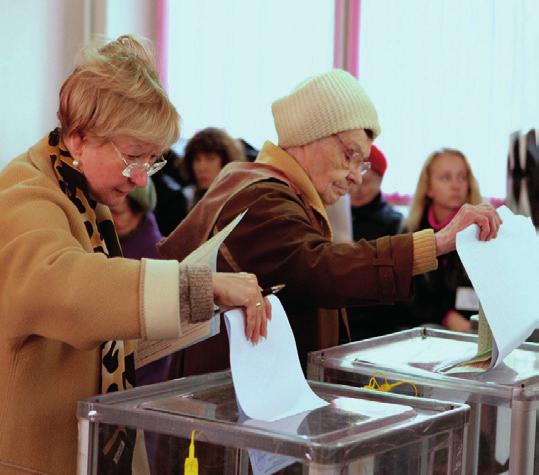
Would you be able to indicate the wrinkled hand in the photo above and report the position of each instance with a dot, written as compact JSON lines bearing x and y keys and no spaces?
{"x":484,"y":215}
{"x":242,"y":290}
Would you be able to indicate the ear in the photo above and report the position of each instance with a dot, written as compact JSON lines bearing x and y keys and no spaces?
{"x":74,"y":144}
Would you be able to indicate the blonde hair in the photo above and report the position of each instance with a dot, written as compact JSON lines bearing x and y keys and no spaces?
{"x":421,"y":201}
{"x":115,"y":90}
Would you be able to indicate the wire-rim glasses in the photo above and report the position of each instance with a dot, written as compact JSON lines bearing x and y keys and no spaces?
{"x":355,"y":158}
{"x":133,"y":166}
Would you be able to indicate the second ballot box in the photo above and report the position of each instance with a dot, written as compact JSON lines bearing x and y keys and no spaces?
{"x":504,"y":401}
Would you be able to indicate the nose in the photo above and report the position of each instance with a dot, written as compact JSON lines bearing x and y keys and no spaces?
{"x":455,"y":183}
{"x":139,"y":179}
{"x":354,"y":176}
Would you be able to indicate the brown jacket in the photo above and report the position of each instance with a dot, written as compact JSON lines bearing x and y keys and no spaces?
{"x":285,"y":238}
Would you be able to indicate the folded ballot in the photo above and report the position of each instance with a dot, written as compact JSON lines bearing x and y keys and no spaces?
{"x":504,"y":273}
{"x":191,"y":333}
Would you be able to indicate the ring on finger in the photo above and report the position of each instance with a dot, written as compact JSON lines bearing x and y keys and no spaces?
{"x":258,"y":304}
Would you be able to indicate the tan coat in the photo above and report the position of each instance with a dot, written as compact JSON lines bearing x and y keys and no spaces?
{"x":58,"y":302}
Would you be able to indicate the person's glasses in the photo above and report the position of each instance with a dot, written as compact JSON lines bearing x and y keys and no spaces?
{"x":355,"y":159}
{"x":135,"y":165}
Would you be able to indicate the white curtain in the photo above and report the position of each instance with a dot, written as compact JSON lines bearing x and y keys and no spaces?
{"x":229,"y":60}
{"x":450,"y":73}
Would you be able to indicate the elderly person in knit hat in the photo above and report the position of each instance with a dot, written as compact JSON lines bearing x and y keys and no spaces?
{"x":325,"y":126}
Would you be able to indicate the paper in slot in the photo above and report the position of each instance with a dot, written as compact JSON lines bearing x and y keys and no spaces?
{"x":268,"y":379}
{"x":504,"y":274}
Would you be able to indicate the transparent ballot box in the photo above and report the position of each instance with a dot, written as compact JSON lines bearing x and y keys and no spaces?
{"x":354,"y":434}
{"x":502,"y":431}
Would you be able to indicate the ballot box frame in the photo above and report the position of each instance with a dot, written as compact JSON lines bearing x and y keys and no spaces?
{"x":522,"y":398}
{"x":434,"y":418}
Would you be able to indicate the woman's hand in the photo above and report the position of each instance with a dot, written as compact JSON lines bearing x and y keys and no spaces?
{"x":484,"y":215}
{"x":242,"y":290}
{"x":454,"y":321}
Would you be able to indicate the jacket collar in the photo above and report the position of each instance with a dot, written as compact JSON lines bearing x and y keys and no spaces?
{"x":275,"y":156}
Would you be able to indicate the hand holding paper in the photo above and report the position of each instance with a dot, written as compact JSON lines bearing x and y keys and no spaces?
{"x":504,"y":275}
{"x":483,"y":215}
{"x":242,"y":290}
{"x":191,"y":333}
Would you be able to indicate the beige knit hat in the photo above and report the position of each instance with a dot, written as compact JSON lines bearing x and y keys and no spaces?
{"x":321,"y":106}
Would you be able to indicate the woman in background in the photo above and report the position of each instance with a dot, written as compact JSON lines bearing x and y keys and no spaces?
{"x":70,"y":305}
{"x":445,"y":183}
{"x":208,"y":151}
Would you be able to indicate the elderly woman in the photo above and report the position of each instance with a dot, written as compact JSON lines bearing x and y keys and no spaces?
{"x":445,"y":184}
{"x":70,"y":305}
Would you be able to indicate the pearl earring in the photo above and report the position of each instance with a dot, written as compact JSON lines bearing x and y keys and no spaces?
{"x":76,"y":164}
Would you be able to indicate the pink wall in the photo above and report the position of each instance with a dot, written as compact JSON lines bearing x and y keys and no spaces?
{"x":162,"y":40}
{"x":346,"y":35}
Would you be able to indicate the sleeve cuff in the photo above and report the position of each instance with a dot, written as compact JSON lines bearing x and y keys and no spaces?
{"x":196,"y":293}
{"x":424,"y":252}
{"x":160,"y":302}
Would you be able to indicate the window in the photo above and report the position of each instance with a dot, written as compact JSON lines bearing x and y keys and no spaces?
{"x":228,"y":61}
{"x":454,"y":74}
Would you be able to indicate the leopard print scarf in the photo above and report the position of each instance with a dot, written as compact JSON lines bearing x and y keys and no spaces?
{"x":117,"y":356}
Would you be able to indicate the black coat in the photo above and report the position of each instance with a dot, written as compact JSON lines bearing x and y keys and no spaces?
{"x":375,"y":219}
{"x":371,"y":221}
{"x":435,"y":292}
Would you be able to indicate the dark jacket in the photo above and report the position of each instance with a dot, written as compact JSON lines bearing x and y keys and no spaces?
{"x":171,"y":205}
{"x":435,"y":292}
{"x":372,"y":221}
{"x":375,"y":219}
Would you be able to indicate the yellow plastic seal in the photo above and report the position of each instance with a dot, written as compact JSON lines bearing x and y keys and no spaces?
{"x":191,"y":463}
{"x":386,"y":387}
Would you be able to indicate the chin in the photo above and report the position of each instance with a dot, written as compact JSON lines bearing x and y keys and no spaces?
{"x":331,"y":200}
{"x":113,"y":200}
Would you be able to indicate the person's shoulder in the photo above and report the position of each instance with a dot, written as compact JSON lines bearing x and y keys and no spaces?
{"x":267,"y":197}
{"x":270,"y":190}
{"x":22,"y":172}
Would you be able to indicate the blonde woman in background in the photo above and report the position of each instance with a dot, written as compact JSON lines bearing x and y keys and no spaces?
{"x":446,"y":183}
{"x":70,"y":305}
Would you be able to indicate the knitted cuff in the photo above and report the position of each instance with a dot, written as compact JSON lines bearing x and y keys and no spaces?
{"x":196,"y":293}
{"x":424,"y":252}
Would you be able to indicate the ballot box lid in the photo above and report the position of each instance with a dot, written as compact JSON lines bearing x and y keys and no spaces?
{"x":416,"y":356}
{"x":343,"y":430}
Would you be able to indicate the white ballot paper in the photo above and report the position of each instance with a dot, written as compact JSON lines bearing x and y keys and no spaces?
{"x":504,"y":273}
{"x":191,"y":333}
{"x":268,"y":379}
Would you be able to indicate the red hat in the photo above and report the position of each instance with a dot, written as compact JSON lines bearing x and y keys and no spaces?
{"x":378,"y":161}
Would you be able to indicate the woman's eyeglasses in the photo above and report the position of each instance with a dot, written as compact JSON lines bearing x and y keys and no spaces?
{"x":355,"y":159}
{"x":135,"y":165}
